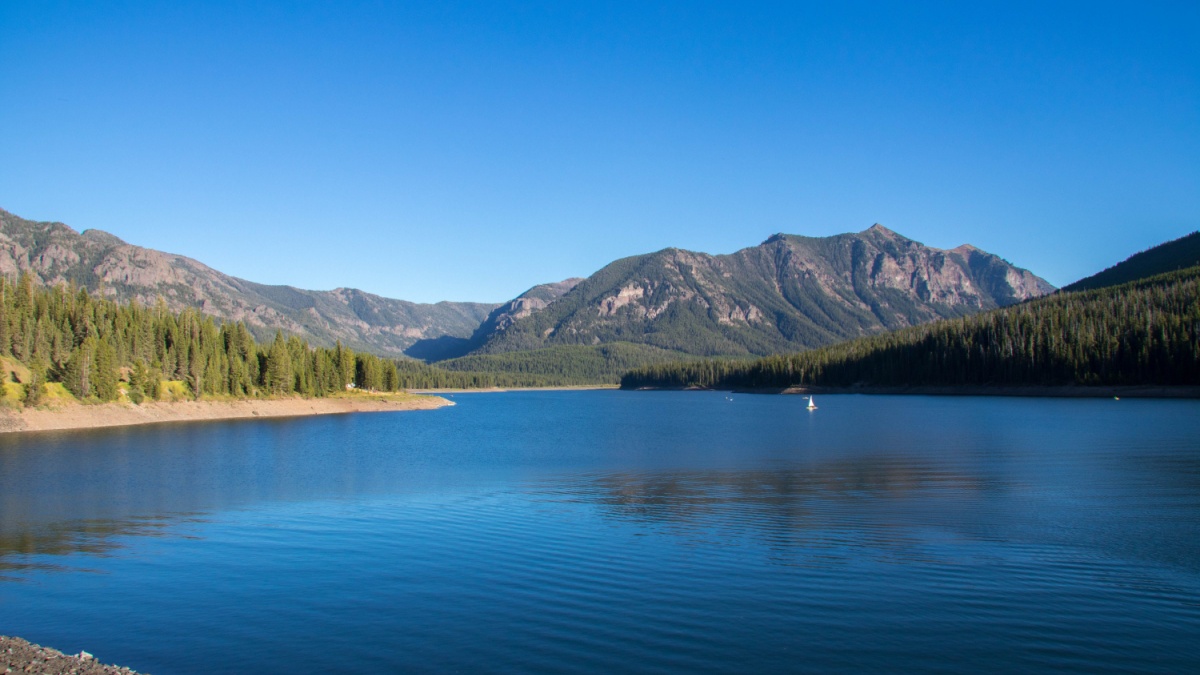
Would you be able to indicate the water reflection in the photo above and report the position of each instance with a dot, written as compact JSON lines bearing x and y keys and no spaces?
{"x":877,"y":501}
{"x":692,"y":465}
{"x":603,"y":531}
{"x":117,"y":474}
{"x":24,"y":550}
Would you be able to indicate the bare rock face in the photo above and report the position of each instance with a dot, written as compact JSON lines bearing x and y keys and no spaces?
{"x":55,"y":254}
{"x":500,"y":319}
{"x":525,"y":304}
{"x":788,"y":293}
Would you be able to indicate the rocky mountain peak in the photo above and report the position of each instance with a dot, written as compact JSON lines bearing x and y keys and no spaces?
{"x":790,"y":292}
{"x":103,"y":238}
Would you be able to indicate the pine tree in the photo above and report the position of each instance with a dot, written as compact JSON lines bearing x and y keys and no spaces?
{"x":77,"y":375}
{"x":104,"y":376}
{"x":35,"y":388}
{"x":279,"y":367}
{"x":139,"y":377}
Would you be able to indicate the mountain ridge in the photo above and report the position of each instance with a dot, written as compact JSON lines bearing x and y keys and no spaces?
{"x":55,"y":253}
{"x":1168,"y":256}
{"x":789,"y":292}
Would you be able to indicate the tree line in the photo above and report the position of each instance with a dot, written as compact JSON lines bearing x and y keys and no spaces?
{"x":96,"y":347}
{"x":1145,"y":332}
{"x":567,"y":364}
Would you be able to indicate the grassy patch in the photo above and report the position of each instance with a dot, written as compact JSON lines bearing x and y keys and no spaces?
{"x":13,"y":370}
{"x":14,"y":394}
{"x":57,"y":393}
{"x":175,"y":390}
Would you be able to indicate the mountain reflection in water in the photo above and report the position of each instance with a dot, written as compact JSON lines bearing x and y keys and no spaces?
{"x":613,"y":531}
{"x":872,"y":501}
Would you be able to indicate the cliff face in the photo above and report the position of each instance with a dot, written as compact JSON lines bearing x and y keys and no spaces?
{"x":788,"y":293}
{"x":499,"y":319}
{"x":526,"y":304}
{"x":54,"y":253}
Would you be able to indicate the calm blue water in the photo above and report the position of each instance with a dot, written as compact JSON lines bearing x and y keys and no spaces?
{"x":619,"y":531}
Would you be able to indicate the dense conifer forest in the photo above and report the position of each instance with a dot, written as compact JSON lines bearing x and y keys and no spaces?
{"x":1145,"y":332}
{"x":568,"y":364}
{"x":100,"y":350}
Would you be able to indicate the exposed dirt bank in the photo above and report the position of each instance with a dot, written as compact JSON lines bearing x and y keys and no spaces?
{"x":19,"y":656}
{"x":124,"y":414}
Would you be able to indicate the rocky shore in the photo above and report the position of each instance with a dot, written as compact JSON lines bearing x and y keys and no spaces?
{"x":19,"y":656}
{"x":76,"y":416}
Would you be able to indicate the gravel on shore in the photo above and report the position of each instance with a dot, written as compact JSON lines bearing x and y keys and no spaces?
{"x":20,"y":656}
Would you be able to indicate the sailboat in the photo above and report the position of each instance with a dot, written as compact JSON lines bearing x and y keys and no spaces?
{"x":811,"y":404}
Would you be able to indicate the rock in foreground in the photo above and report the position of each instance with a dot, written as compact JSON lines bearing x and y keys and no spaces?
{"x":19,"y":656}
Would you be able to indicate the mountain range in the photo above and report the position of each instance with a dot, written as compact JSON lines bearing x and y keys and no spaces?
{"x":55,"y":253}
{"x":788,"y":293}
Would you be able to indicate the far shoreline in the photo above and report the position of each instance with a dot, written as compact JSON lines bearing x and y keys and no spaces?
{"x":1065,"y":391}
{"x":501,"y":390}
{"x":76,"y":416}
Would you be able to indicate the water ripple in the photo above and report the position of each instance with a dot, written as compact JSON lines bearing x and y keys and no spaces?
{"x":606,"y":532}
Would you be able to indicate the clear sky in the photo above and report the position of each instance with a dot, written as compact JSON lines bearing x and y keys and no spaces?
{"x":469,"y":150}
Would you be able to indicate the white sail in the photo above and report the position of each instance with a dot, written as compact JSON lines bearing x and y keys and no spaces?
{"x":812,"y":405}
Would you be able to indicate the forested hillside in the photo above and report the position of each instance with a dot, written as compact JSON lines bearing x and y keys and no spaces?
{"x":1140,"y":333}
{"x":101,"y":350}
{"x":568,"y":364}
{"x":1172,"y":256}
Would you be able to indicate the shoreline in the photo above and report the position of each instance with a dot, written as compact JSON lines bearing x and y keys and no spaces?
{"x":1065,"y":391}
{"x":22,"y":656}
{"x":500,"y":390}
{"x":102,"y":415}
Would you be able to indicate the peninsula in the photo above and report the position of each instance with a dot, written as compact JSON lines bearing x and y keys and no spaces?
{"x":116,"y":414}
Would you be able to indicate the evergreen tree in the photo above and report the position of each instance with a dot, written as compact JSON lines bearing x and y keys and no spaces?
{"x":77,"y":375}
{"x":35,"y":388}
{"x":104,"y":372}
{"x":279,"y":367}
{"x":139,"y":378}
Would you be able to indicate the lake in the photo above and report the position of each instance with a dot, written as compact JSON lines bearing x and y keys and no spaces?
{"x":607,"y":531}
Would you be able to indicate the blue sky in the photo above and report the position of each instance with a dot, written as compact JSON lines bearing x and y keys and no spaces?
{"x":467,"y":151}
